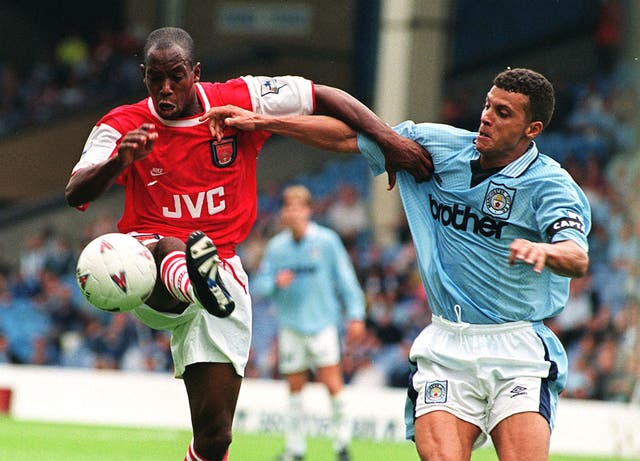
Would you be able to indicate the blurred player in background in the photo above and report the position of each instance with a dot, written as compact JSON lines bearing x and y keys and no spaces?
{"x":184,"y":190}
{"x":499,"y":231}
{"x":307,"y":272}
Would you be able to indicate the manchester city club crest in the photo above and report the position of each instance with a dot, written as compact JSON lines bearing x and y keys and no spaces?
{"x":498,"y":200}
{"x":435,"y":392}
{"x":223,"y":153}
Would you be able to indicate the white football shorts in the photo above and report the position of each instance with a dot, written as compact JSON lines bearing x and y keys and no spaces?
{"x":483,"y":374}
{"x":197,"y":336}
{"x":298,"y":352}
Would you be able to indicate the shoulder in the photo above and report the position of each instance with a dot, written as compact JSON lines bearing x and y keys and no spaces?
{"x":234,"y":91}
{"x":234,"y":84}
{"x":412,"y":129}
{"x":547,"y":169}
{"x":127,"y":115}
{"x":324,"y":233}
{"x":438,"y":129}
{"x":274,"y":85}
{"x":283,"y":95}
{"x":439,"y":139}
{"x":140,"y":107}
{"x":281,"y":239}
{"x":547,"y":180}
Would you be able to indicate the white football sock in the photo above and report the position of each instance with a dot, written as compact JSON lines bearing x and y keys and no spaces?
{"x":341,"y":431}
{"x":294,"y":434}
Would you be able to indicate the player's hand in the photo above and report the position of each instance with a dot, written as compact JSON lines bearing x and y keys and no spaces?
{"x":408,"y":155}
{"x":228,"y":116}
{"x":137,"y":144}
{"x":528,"y":252}
{"x":356,"y":331}
{"x":284,"y":278}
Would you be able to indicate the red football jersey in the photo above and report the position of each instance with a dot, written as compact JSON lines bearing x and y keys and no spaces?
{"x":189,"y":180}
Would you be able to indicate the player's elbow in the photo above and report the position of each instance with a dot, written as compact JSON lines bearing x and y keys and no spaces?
{"x":576,"y":267}
{"x":341,"y":137}
{"x":70,"y":195}
{"x":348,"y":145}
{"x":73,"y":194}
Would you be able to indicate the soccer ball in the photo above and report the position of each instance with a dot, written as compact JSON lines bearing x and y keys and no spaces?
{"x":116,"y":273}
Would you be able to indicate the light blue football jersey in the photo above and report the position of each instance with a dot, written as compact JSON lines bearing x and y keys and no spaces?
{"x":325,"y":282}
{"x":462,"y":233}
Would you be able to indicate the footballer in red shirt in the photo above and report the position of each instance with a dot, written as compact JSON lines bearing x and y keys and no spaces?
{"x":186,"y":189}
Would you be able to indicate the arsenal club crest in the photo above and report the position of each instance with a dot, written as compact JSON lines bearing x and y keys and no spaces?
{"x":498,"y":200}
{"x":223,"y":153}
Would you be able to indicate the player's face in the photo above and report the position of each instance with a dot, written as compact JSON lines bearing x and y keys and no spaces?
{"x":170,"y":78}
{"x":505,"y":127}
{"x":295,"y":213}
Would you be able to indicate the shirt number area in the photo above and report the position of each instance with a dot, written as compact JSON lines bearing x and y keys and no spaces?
{"x":210,"y":202}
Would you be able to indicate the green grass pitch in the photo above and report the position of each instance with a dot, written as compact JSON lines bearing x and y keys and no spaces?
{"x":26,"y":441}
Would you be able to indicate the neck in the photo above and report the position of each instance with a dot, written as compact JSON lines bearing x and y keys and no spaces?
{"x":194,"y":108}
{"x":299,"y":231}
{"x":501,"y":159}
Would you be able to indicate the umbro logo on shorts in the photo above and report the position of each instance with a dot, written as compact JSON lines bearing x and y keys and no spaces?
{"x":518,"y":390}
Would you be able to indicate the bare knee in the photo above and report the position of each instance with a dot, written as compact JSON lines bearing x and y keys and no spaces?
{"x":441,"y":436}
{"x":213,"y":390}
{"x":440,"y":453}
{"x":212,"y":444}
{"x":331,"y":377}
{"x":166,"y":245}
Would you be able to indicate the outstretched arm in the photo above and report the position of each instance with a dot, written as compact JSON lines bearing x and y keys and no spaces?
{"x":315,"y":130}
{"x":400,"y":153}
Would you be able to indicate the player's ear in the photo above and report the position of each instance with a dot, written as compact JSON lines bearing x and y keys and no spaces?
{"x":534,"y":129}
{"x":196,"y":72}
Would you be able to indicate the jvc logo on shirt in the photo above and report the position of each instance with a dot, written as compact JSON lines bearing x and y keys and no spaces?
{"x":211,"y":201}
{"x":465,"y":219}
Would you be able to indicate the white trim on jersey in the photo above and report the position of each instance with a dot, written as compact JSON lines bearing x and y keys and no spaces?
{"x":286,"y":95}
{"x":99,"y":146}
{"x":203,"y":97}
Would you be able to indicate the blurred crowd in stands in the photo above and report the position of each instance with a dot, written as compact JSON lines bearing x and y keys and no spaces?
{"x":44,"y":320}
{"x":78,"y":75}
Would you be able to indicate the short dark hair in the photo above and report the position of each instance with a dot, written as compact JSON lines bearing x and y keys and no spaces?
{"x":533,"y":84}
{"x":167,"y":37}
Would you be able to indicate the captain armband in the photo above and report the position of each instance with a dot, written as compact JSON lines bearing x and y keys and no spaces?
{"x":571,"y":221}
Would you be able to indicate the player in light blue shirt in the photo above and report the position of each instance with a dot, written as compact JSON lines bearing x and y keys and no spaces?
{"x":307,"y":272}
{"x":464,"y":226}
{"x":324,"y":283}
{"x":499,"y":230}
